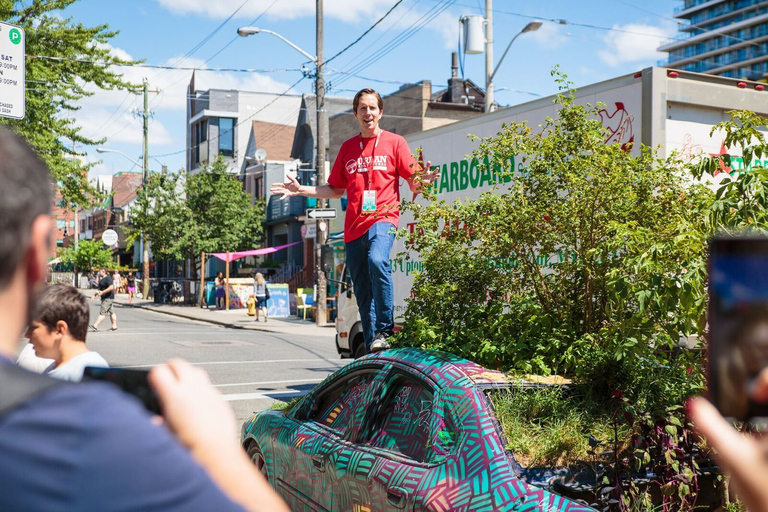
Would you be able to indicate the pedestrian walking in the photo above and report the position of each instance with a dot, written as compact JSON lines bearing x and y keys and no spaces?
{"x":261,"y":292}
{"x":117,"y":280}
{"x":220,"y":284}
{"x":368,"y":168}
{"x":107,"y":294}
{"x":130,"y":286}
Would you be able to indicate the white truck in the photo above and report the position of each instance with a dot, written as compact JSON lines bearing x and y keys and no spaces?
{"x":672,"y":110}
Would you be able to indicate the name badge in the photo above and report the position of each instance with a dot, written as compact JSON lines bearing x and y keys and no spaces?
{"x":369,"y":201}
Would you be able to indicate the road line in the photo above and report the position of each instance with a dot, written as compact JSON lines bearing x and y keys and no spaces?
{"x":324,"y":361}
{"x":261,"y":396}
{"x":266,"y":382}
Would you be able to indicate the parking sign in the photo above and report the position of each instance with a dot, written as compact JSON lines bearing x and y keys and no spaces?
{"x":12,"y":71}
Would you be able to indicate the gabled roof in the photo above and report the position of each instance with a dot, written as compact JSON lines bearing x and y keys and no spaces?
{"x":275,"y":139}
{"x":124,"y":186}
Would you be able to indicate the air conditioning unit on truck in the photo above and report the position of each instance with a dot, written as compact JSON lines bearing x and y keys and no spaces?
{"x":658,"y":107}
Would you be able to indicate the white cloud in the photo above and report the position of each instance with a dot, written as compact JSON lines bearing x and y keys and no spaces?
{"x":549,"y":35}
{"x":112,"y":114}
{"x":634,"y":43}
{"x":346,"y":10}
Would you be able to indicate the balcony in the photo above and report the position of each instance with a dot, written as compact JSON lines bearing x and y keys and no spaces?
{"x":280,"y":209}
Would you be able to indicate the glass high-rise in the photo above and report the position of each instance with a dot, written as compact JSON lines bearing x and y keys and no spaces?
{"x":721,"y":37}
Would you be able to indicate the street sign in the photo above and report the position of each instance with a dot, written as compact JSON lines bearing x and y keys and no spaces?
{"x":321,"y":213}
{"x":308,"y":231}
{"x":109,"y":237}
{"x":12,"y":71}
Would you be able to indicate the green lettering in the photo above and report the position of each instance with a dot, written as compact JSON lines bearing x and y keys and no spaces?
{"x":485,"y":174}
{"x":444,"y":179}
{"x":454,"y":176}
{"x":463,"y":174}
{"x":474,"y":173}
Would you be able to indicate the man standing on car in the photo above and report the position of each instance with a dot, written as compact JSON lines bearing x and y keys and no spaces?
{"x":368,"y":168}
{"x":107,"y":294}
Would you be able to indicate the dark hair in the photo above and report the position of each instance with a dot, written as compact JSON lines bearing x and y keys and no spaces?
{"x":63,"y":302}
{"x":361,"y":93}
{"x":25,"y":194}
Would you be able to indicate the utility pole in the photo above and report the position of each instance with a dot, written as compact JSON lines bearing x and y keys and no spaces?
{"x":488,"y":56}
{"x":320,"y":235}
{"x":144,"y":170}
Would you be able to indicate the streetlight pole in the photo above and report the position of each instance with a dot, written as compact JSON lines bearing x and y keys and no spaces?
{"x":322,"y":121}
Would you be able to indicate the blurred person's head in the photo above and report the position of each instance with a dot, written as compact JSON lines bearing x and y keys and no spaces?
{"x":60,"y":316}
{"x":26,"y":234}
{"x":259,"y":278}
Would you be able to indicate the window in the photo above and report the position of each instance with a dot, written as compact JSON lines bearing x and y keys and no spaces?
{"x":403,"y":420}
{"x":61,"y":223}
{"x":226,"y":136}
{"x":338,"y":407}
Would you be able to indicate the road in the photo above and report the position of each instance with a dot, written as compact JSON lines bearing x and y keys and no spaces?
{"x":252,"y":369}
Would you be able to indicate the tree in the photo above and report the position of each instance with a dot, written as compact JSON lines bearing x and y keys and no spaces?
{"x":588,"y":255}
{"x":184,"y":215}
{"x":64,"y":59}
{"x":89,"y":254}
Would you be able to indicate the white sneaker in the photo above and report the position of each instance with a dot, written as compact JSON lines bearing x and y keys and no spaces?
{"x":379,"y":343}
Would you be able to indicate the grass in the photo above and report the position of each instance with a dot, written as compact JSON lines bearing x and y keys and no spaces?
{"x":552,"y":425}
{"x":279,"y":406}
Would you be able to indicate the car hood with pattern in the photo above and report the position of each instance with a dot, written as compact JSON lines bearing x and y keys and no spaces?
{"x":478,"y":475}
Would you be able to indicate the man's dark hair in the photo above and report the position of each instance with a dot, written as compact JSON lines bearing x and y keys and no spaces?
{"x":63,"y":302}
{"x":25,"y":193}
{"x":360,"y":93}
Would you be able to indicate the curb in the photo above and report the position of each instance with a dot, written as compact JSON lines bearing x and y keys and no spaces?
{"x":210,"y":320}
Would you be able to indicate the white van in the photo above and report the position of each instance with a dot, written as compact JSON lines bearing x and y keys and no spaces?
{"x":349,"y":331}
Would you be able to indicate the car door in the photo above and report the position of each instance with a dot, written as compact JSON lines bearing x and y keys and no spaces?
{"x":384,"y":466}
{"x":333,"y":415}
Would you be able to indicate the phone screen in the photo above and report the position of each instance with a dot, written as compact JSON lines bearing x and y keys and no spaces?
{"x":738,"y":323}
{"x":134,"y":382}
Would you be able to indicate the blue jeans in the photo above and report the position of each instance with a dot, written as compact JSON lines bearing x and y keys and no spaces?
{"x":368,"y":263}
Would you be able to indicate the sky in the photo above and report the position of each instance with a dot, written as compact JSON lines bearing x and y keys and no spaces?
{"x":590,"y":41}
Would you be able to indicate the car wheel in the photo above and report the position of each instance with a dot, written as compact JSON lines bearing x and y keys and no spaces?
{"x":257,"y":457}
{"x":359,"y":348}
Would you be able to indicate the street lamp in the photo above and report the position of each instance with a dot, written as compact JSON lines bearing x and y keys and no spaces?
{"x":533,"y":26}
{"x":144,"y":248}
{"x":322,"y":121}
{"x":249,"y":31}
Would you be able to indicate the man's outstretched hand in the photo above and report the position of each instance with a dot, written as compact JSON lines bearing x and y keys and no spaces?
{"x":289,"y":189}
{"x":424,"y":179}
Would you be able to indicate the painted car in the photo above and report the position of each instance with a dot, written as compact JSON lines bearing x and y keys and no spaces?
{"x":403,"y":429}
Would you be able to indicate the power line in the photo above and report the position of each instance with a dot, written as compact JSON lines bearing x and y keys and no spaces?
{"x":350,"y":45}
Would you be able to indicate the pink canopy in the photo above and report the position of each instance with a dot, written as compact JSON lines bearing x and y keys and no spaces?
{"x":256,"y":252}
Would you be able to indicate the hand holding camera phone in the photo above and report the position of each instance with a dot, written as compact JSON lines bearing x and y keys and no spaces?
{"x":131,"y":381}
{"x":738,"y":323}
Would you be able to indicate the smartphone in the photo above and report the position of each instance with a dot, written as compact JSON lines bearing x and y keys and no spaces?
{"x":131,"y":381}
{"x":738,"y":323}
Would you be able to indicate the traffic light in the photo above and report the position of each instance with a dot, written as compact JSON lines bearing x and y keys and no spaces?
{"x":326,"y":257}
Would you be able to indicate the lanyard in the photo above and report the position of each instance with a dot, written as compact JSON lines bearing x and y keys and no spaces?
{"x":373,"y":158}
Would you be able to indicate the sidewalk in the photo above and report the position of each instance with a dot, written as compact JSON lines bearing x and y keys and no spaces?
{"x":234,"y":318}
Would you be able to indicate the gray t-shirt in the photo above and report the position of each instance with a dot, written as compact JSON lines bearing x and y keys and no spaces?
{"x":72,"y":370}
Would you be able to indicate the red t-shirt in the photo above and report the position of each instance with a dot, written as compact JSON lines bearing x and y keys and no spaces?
{"x":352,"y":171}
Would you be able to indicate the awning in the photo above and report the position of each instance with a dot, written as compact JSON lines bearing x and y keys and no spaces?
{"x":255,"y":252}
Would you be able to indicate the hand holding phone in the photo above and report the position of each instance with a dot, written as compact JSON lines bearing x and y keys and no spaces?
{"x":131,"y":381}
